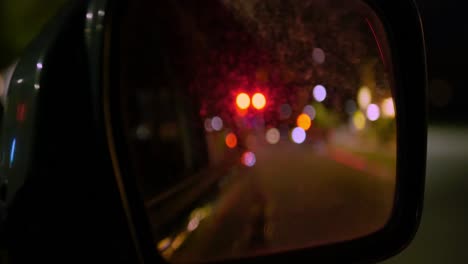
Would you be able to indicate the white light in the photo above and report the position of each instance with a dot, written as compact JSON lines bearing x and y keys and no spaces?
{"x":89,"y":15}
{"x":310,"y":111}
{"x":20,"y":81}
{"x":217,"y":123}
{"x":373,"y":112}
{"x":36,"y":86}
{"x":193,"y":224}
{"x":320,"y":93}
{"x":101,"y":13}
{"x":318,"y":55}
{"x":364,"y":97}
{"x":39,"y":65}
{"x":388,"y":108}
{"x":273,"y":136}
{"x":298,"y":135}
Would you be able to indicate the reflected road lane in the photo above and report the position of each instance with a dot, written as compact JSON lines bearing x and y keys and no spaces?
{"x":310,"y":197}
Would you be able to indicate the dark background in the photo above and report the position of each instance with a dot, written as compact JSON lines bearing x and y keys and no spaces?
{"x":446,"y":35}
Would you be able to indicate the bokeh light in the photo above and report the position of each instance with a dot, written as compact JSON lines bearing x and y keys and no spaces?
{"x":320,"y":93}
{"x":310,"y":111}
{"x":243,"y":101}
{"x":298,"y":135}
{"x":231,"y":140}
{"x":318,"y":55}
{"x":208,"y":126}
{"x":303,"y":121}
{"x":258,"y":101}
{"x":178,"y":240}
{"x":359,"y":120}
{"x":388,"y":107}
{"x":143,"y":132}
{"x":273,"y":136}
{"x":285,"y":111}
{"x":193,"y":224}
{"x":164,"y":244}
{"x":217,"y":123}
{"x":364,"y":97}
{"x":373,"y":112}
{"x":248,"y":159}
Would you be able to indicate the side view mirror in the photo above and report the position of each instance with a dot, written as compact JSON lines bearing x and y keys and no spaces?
{"x":218,"y":131}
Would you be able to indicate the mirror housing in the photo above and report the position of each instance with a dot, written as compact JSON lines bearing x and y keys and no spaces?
{"x":56,"y":135}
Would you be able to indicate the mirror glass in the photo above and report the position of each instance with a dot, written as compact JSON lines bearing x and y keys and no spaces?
{"x":255,"y":126}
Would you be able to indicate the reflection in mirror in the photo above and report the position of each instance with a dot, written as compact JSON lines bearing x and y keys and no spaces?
{"x":256,"y":126}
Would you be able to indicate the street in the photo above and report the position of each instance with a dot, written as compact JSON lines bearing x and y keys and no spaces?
{"x":443,"y":233}
{"x":316,"y":195}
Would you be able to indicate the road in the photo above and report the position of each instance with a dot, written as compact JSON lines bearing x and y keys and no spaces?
{"x":314,"y":196}
{"x":443,"y":234}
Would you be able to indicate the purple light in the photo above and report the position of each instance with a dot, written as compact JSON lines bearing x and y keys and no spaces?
{"x":318,"y":55}
{"x":208,"y":126}
{"x":310,"y":111}
{"x":248,"y":159}
{"x":373,"y":112}
{"x":298,"y":135}
{"x":320,"y":93}
{"x":217,"y":123}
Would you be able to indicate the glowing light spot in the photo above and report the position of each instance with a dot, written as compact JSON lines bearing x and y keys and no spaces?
{"x":303,"y":121}
{"x":273,"y":136}
{"x":388,"y":108}
{"x":217,"y":123}
{"x":101,"y":13}
{"x":231,"y":140}
{"x":320,"y":93}
{"x":19,"y":81}
{"x":164,"y":244}
{"x":193,"y":224}
{"x":179,"y":240}
{"x":318,"y":55}
{"x":373,"y":112}
{"x":248,"y":159}
{"x":20,"y":112}
{"x":359,"y":120}
{"x":12,"y":151}
{"x":208,"y":126}
{"x":310,"y":111}
{"x":143,"y":132}
{"x":364,"y":97}
{"x":243,"y":101}
{"x":39,"y":65}
{"x":285,"y":111}
{"x":258,"y":101}
{"x":37,"y":86}
{"x":298,"y":135}
{"x":201,"y":213}
{"x":89,"y":15}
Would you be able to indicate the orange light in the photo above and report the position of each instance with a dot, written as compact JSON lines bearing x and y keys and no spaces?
{"x":243,"y":101}
{"x":231,"y":140}
{"x":303,"y":121}
{"x":258,"y":101}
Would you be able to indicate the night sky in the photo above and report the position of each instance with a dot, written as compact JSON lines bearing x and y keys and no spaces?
{"x":446,"y":32}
